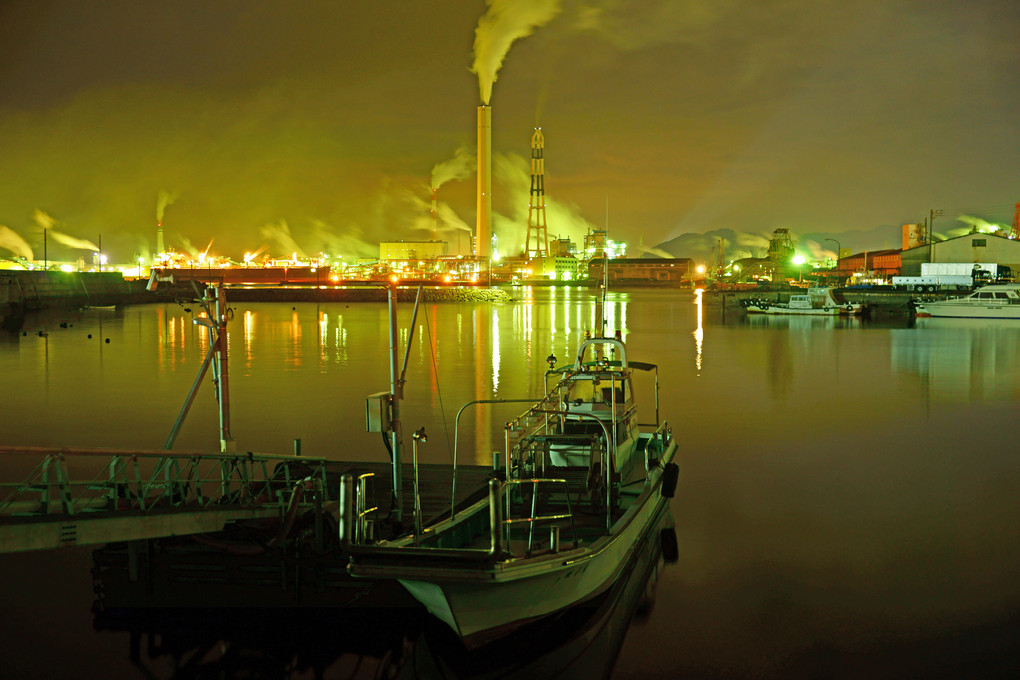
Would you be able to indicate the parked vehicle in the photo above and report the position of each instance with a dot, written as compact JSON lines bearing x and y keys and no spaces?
{"x":935,"y":282}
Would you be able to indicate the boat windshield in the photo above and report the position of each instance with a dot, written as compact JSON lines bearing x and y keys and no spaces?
{"x":596,"y":390}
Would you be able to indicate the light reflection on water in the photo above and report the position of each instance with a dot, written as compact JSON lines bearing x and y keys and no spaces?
{"x":848,"y":489}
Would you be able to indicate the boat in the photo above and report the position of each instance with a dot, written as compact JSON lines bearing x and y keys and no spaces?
{"x":994,"y":301}
{"x":816,"y":302}
{"x":581,"y":486}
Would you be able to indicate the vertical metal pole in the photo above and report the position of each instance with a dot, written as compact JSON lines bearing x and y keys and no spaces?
{"x":297,"y":447}
{"x":418,"y":436}
{"x":495,"y":516}
{"x":227,"y":444}
{"x":397,"y":500}
{"x":347,"y":509}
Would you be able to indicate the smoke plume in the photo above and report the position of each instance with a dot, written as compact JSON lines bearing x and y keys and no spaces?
{"x":280,"y":233}
{"x":562,"y":219}
{"x":346,"y":243}
{"x":460,"y":166}
{"x":503,"y":23}
{"x":13,"y":242}
{"x":982,"y":224}
{"x":44,"y":221}
{"x":163,"y":200}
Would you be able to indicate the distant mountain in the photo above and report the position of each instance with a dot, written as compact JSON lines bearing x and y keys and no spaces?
{"x":813,"y":245}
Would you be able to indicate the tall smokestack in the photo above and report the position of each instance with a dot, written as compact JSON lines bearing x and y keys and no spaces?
{"x":484,"y":212}
{"x":159,"y":239}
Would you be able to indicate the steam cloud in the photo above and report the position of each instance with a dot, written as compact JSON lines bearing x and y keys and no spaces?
{"x":164,"y":200}
{"x":13,"y":242}
{"x":562,"y":219}
{"x":280,"y":233}
{"x":503,"y":23}
{"x":44,"y":221}
{"x":460,"y":166}
{"x":982,"y":224}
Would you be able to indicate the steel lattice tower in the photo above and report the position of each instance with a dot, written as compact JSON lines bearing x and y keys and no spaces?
{"x":536,"y":200}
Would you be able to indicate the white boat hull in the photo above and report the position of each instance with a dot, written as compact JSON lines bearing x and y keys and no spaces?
{"x":476,"y":610}
{"x":849,"y":310}
{"x":969,"y":311}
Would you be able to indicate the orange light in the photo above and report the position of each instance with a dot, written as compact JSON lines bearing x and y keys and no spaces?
{"x":394,"y":278}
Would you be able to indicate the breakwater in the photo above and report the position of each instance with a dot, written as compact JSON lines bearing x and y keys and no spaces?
{"x":29,"y":291}
{"x":23,"y":292}
{"x":366,"y":294}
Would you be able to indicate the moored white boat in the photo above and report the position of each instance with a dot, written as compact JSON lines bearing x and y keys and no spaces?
{"x":816,"y":302}
{"x":994,"y":301}
{"x":582,"y":486}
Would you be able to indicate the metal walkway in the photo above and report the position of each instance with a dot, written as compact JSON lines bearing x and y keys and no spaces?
{"x":68,"y":497}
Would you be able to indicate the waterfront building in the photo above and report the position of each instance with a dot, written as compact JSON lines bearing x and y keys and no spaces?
{"x":973,"y":247}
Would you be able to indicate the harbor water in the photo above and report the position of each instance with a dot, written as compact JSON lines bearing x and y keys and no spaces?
{"x":846,"y":508}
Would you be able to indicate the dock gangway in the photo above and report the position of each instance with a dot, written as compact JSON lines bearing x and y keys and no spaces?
{"x":65,"y":497}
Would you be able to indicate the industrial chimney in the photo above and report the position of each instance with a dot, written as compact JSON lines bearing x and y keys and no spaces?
{"x":484,"y":212}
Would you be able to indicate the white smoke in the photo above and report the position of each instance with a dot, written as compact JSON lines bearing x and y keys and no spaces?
{"x":279,"y":233}
{"x":350,"y":241}
{"x":981,"y":224}
{"x":188,"y":247}
{"x":459,"y":167}
{"x":13,"y":242}
{"x":562,"y":219}
{"x":164,"y":200}
{"x":44,"y":221}
{"x":504,"y":22}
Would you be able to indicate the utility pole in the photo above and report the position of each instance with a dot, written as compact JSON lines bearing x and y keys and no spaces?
{"x":937,"y":212}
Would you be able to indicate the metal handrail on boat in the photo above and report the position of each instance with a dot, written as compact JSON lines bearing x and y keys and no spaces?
{"x":607,"y":452}
{"x":532,"y":519}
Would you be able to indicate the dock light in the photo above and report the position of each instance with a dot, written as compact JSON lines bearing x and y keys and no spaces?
{"x":799,"y":259}
{"x":419,"y":435}
{"x":700,"y":269}
{"x":551,"y":359}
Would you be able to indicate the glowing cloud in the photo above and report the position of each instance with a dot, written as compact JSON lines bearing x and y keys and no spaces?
{"x":460,"y":166}
{"x":503,"y":23}
{"x":164,"y":200}
{"x":280,"y":233}
{"x":13,"y":242}
{"x":44,"y":221}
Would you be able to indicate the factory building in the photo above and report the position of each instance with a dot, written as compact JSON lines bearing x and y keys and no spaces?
{"x":644,"y":271}
{"x":881,"y":263}
{"x":973,"y":247}
{"x":413,"y":250}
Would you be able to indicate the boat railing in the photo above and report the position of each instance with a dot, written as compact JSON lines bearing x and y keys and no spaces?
{"x":656,"y":445}
{"x":363,"y":527}
{"x":532,"y":519}
{"x":524,"y":435}
{"x":75,"y":481}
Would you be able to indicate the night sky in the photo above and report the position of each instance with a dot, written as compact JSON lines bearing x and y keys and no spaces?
{"x":318,"y":125}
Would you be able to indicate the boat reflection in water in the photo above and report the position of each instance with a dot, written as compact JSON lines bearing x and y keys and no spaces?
{"x":581,"y":642}
{"x":802,"y":322}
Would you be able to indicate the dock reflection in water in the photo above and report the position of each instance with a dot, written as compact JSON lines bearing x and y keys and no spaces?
{"x":581,"y":642}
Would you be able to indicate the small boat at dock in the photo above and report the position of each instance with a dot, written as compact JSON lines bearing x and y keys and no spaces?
{"x":581,"y":488}
{"x":816,"y":302}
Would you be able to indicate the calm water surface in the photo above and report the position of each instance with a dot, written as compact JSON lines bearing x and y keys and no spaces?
{"x":848,"y":493}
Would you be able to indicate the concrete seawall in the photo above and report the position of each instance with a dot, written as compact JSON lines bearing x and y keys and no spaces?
{"x":22,"y":292}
